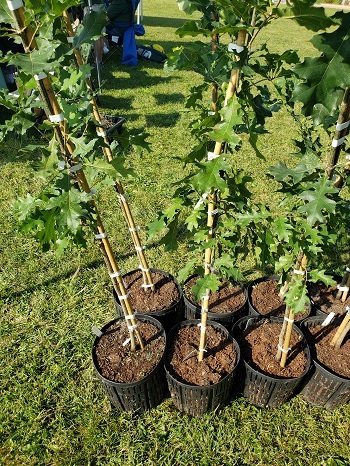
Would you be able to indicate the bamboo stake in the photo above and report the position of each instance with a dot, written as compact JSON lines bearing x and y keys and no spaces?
{"x":207,"y":270}
{"x":343,"y":282}
{"x":45,"y":87}
{"x":233,"y":83}
{"x":341,"y":337}
{"x":340,"y":133}
{"x":288,"y":321}
{"x":212,"y":211}
{"x":285,"y":350}
{"x":133,"y":229}
{"x":343,"y":327}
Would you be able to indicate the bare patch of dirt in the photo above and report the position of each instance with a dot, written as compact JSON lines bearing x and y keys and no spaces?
{"x":219,"y":359}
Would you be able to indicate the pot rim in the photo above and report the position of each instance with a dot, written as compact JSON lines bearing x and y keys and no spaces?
{"x":141,"y":317}
{"x":195,"y":322}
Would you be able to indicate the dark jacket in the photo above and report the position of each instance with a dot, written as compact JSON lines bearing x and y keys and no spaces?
{"x":120,"y":11}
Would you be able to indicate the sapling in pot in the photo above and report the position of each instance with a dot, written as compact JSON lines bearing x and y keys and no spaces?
{"x":151,"y":290}
{"x":327,"y":217}
{"x":63,"y":209}
{"x":223,"y":221}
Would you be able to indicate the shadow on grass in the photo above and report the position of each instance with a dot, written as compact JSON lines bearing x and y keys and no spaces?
{"x":91,"y":265}
{"x":156,"y":21}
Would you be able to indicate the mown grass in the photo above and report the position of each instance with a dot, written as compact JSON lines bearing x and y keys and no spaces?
{"x":53,"y":409}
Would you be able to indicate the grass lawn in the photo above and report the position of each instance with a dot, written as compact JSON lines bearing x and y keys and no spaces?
{"x":53,"y":409}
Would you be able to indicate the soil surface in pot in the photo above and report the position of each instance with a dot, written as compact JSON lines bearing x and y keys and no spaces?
{"x":337,"y":360}
{"x":166,"y":292}
{"x":117,"y":363}
{"x":219,"y":359}
{"x":228,"y":298}
{"x":259,"y":347}
{"x":267,"y":301}
{"x":324,"y":298}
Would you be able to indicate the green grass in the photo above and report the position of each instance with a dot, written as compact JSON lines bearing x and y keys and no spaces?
{"x":53,"y":409}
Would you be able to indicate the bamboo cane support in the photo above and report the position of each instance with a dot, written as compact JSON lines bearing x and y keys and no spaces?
{"x":147,"y":279}
{"x":341,"y":337}
{"x":233,"y":83}
{"x":48,"y":95}
{"x":343,"y":282}
{"x":343,"y":118}
{"x":288,"y":321}
{"x":346,"y":292}
{"x":207,"y":271}
{"x":282,"y":335}
{"x":232,"y":86}
{"x":340,"y":329}
{"x":287,"y":338}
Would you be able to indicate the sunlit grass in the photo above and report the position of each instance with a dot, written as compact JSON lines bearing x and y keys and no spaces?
{"x":53,"y":409}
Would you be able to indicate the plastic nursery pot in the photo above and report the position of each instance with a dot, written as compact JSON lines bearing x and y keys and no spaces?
{"x":193,"y":311}
{"x":260,"y":389}
{"x":137,"y":396}
{"x":113,"y":123}
{"x":324,"y":304}
{"x":323,"y":387}
{"x":272,"y":300}
{"x":167,"y":317}
{"x":198,"y":400}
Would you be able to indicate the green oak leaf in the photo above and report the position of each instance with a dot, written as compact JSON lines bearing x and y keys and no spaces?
{"x":208,"y":282}
{"x":321,"y":275}
{"x":190,"y":28}
{"x":308,"y":16}
{"x":36,"y":61}
{"x":186,"y":271}
{"x":317,"y":201}
{"x":115,"y":168}
{"x":71,"y":210}
{"x":93,"y":23}
{"x":283,"y":229}
{"x":281,"y":172}
{"x":296,"y":297}
{"x":155,"y":227}
{"x":209,"y":175}
{"x":25,"y":205}
{"x":83,"y":148}
{"x":231,"y":118}
{"x":170,"y":239}
{"x":325,"y":77}
{"x":285,"y":263}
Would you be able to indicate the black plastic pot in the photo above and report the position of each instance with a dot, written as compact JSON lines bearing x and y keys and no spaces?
{"x":138,"y":396}
{"x":167,"y":317}
{"x":260,"y":389}
{"x":193,"y":311}
{"x":316,"y":310}
{"x":323,"y":387}
{"x":116,"y":124}
{"x":252,"y":310}
{"x":198,"y":400}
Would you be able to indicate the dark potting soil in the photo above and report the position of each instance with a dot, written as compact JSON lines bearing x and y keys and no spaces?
{"x":228,"y":298}
{"x":267,"y":301}
{"x":259,"y":348}
{"x":325,"y":298}
{"x":218,"y":361}
{"x":118,"y":363}
{"x":337,"y":360}
{"x":165,"y":295}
